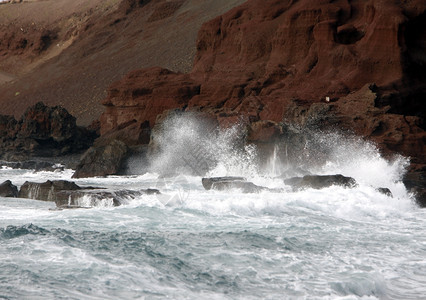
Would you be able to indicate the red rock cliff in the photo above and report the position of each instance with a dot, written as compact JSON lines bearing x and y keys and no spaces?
{"x":259,"y":56}
{"x":270,"y":60}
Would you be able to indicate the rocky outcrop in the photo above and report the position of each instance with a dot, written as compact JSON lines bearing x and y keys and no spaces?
{"x":7,"y":189}
{"x":93,"y":198}
{"x":29,"y":42}
{"x":149,"y":93}
{"x":385,"y":191}
{"x":67,"y":194}
{"x":255,"y":59}
{"x":42,"y":131}
{"x":320,"y":181}
{"x":46,"y":191}
{"x":209,"y":183}
{"x":354,"y":65}
{"x":296,"y":183}
{"x":102,"y":159}
{"x":233,"y":182}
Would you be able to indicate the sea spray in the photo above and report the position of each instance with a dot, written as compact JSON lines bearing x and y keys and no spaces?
{"x":188,"y":144}
{"x":353,"y":156}
{"x":330,"y":243}
{"x":274,"y":164}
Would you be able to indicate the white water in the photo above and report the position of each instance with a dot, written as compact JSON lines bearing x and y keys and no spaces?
{"x":189,"y":243}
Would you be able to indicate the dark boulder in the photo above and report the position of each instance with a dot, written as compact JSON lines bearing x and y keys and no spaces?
{"x":102,"y":160}
{"x":226,"y":183}
{"x":208,"y":183}
{"x":320,"y":181}
{"x":385,"y":191}
{"x":46,"y":191}
{"x":7,"y":189}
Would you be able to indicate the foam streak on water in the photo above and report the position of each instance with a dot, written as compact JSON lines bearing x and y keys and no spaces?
{"x":189,"y":243}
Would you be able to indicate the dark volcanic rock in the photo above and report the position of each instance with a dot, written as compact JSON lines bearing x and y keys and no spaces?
{"x":7,"y":189}
{"x":320,"y":181}
{"x":67,"y":194}
{"x":90,"y":198}
{"x":226,"y":183}
{"x":43,"y":131}
{"x":102,"y":160}
{"x":46,"y":191}
{"x":385,"y":191}
{"x":209,"y":182}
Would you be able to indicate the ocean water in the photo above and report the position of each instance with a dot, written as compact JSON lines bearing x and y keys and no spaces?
{"x":189,"y":243}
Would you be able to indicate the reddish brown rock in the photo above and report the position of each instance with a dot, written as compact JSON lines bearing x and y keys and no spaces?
{"x":264,"y":131}
{"x":256,"y":58}
{"x":358,"y":65}
{"x":143,"y":95}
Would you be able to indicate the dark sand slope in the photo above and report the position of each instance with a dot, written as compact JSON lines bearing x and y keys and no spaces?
{"x":69,"y":52}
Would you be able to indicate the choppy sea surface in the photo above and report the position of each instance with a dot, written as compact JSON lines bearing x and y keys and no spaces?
{"x":189,"y":243}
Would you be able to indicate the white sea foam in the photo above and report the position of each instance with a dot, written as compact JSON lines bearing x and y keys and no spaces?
{"x":333,"y":243}
{"x":187,"y":144}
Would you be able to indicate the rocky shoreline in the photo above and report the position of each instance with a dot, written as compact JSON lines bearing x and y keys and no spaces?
{"x":68,"y":195}
{"x":280,"y":70}
{"x":38,"y":132}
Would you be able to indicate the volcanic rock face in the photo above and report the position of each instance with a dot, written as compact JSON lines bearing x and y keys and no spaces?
{"x":149,"y":93}
{"x":359,"y":65}
{"x":256,"y":58}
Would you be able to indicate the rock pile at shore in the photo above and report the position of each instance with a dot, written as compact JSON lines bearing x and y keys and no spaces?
{"x":42,"y":131}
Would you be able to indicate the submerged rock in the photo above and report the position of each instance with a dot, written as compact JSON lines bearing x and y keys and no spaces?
{"x":320,"y":181}
{"x":7,"y":189}
{"x":102,"y":160}
{"x":62,"y":207}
